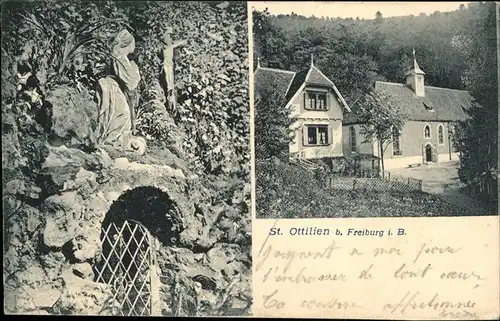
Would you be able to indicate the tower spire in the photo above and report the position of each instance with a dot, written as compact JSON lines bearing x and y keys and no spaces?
{"x":312,"y":60}
{"x":258,"y":62}
{"x":415,"y":65}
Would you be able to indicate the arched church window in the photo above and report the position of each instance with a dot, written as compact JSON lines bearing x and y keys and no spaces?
{"x":352,"y":139}
{"x":440,"y":134}
{"x":396,"y":142}
{"x":427,"y":131}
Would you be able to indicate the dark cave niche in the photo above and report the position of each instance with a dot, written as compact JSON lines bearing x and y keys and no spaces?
{"x":150,"y":207}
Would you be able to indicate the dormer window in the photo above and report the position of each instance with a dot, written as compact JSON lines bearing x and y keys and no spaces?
{"x":316,"y":100}
{"x":428,"y":106}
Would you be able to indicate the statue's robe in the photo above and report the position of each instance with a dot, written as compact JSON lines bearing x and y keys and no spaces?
{"x":117,"y":101}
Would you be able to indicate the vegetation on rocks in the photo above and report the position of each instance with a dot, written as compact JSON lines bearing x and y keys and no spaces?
{"x":211,"y":73}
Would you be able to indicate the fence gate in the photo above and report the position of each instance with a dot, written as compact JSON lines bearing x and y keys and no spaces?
{"x":128,"y":265}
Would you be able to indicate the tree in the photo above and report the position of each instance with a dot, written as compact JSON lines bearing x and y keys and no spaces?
{"x":269,"y":40}
{"x":477,"y":140}
{"x":272,"y":123}
{"x":380,"y":116}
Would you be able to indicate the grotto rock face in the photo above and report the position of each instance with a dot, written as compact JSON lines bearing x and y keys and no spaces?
{"x":54,"y":241}
{"x":194,"y":281}
{"x":81,"y":296}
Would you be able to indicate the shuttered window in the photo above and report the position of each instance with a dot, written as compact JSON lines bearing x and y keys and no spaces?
{"x":317,"y":135}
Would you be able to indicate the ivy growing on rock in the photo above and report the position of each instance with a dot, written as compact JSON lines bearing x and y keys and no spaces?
{"x":211,"y":77}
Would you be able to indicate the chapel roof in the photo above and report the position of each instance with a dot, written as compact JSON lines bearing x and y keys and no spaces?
{"x":438,"y":104}
{"x":280,"y":79}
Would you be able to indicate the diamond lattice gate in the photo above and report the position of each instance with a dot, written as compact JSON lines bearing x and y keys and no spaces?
{"x":128,"y":265}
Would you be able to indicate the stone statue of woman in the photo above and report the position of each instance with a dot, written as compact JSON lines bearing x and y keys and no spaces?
{"x":117,"y":96}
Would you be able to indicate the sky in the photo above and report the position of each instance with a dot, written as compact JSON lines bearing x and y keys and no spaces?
{"x":363,"y":10}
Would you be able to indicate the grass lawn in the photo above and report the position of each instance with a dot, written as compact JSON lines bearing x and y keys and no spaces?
{"x":288,"y":191}
{"x":380,"y":204}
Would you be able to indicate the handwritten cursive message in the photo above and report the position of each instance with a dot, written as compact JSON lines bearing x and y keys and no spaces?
{"x":376,"y":268}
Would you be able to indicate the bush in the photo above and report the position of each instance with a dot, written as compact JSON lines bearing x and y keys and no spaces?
{"x":63,"y":42}
{"x":154,"y":122}
{"x":272,"y":123}
{"x":286,"y":190}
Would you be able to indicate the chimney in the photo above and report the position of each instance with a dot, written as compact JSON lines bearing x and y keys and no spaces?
{"x":415,"y":78}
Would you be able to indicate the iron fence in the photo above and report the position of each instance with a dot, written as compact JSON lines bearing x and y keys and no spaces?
{"x":354,"y":178}
{"x":373,"y":182}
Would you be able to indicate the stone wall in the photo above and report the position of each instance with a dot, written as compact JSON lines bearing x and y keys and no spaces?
{"x":52,"y":242}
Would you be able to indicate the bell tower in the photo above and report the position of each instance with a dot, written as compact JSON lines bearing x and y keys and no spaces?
{"x":415,"y":78}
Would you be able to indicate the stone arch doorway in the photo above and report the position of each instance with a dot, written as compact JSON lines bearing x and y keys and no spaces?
{"x":131,"y":233}
{"x":428,"y":153}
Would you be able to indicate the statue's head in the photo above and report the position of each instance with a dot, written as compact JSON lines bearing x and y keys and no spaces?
{"x":167,"y":39}
{"x":124,"y":42}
